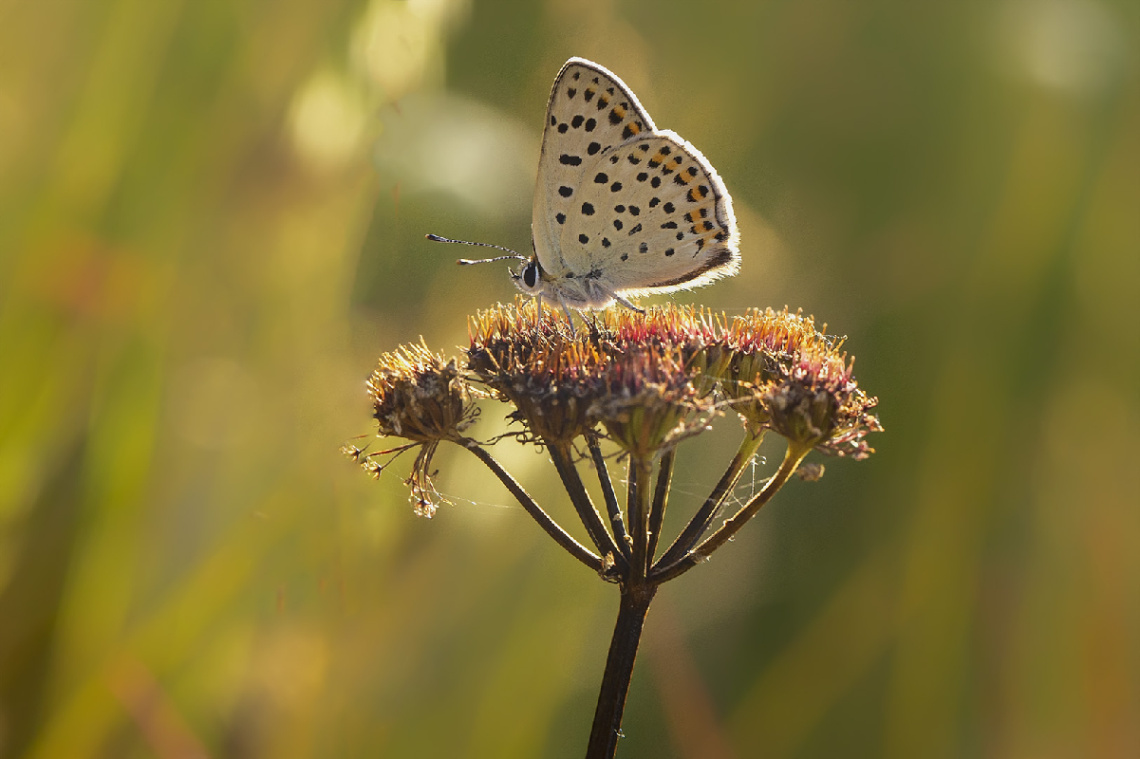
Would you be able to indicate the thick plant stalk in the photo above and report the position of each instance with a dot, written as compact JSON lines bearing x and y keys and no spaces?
{"x":619,"y":669}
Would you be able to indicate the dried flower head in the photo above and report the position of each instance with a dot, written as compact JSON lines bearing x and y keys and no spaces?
{"x":423,"y":398}
{"x":537,"y":365}
{"x":648,"y":400}
{"x":647,"y":377}
{"x":420,"y":396}
{"x":815,"y":402}
{"x":627,"y":375}
{"x":785,"y":375}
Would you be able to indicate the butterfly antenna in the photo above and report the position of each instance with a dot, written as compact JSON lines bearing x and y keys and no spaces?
{"x":468,"y":261}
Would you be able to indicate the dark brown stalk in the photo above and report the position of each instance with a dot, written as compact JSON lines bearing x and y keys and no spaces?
{"x":621,"y":536}
{"x":552,"y":528}
{"x":619,"y":669}
{"x":591,"y":519}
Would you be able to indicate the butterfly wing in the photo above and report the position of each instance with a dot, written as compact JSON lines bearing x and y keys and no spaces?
{"x":590,"y":112}
{"x":651,"y":215}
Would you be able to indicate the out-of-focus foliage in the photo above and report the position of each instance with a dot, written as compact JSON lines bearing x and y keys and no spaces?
{"x":211,"y":222}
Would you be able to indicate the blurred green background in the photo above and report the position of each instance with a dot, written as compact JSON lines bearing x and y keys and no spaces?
{"x":211,"y":223}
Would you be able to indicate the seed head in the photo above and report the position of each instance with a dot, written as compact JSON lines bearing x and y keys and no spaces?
{"x":420,"y":396}
{"x":423,"y":398}
{"x":814,"y":402}
{"x":627,"y":373}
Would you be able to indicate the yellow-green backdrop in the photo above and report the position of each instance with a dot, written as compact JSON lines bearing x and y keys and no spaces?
{"x":211,"y":222}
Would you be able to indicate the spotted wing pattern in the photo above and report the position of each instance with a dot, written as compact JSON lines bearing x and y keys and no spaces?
{"x":590,"y":112}
{"x":651,"y":215}
{"x":621,"y":207}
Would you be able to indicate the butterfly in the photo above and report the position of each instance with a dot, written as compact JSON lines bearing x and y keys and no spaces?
{"x":621,"y":208}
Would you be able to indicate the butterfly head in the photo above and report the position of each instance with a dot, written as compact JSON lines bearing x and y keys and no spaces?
{"x":529,"y":279}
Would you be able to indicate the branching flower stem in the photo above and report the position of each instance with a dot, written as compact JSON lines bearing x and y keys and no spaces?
{"x":552,"y":528}
{"x":643,"y":381}
{"x":640,"y":472}
{"x":561,"y":455}
{"x":704,"y":516}
{"x":792,"y":458}
{"x":621,"y":536}
{"x":660,"y":500}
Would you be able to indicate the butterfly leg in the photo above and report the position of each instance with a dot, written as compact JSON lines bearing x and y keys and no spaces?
{"x":627,"y":304}
{"x":566,"y":310}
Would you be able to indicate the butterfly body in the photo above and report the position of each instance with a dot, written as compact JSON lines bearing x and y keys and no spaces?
{"x":621,"y":208}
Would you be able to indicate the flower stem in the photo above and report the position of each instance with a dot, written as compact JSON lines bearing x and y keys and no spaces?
{"x":619,"y":669}
{"x":591,"y":519}
{"x":660,"y":500}
{"x":621,"y":536}
{"x":712,"y":505}
{"x":640,"y":471}
{"x":552,"y":528}
{"x":792,"y":458}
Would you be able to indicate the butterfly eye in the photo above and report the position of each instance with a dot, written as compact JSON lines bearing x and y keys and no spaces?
{"x":530,"y":275}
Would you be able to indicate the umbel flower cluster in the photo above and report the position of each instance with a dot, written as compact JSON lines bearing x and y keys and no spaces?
{"x":645,"y":382}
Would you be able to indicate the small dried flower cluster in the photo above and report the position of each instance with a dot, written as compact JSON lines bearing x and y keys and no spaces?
{"x":420,"y":397}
